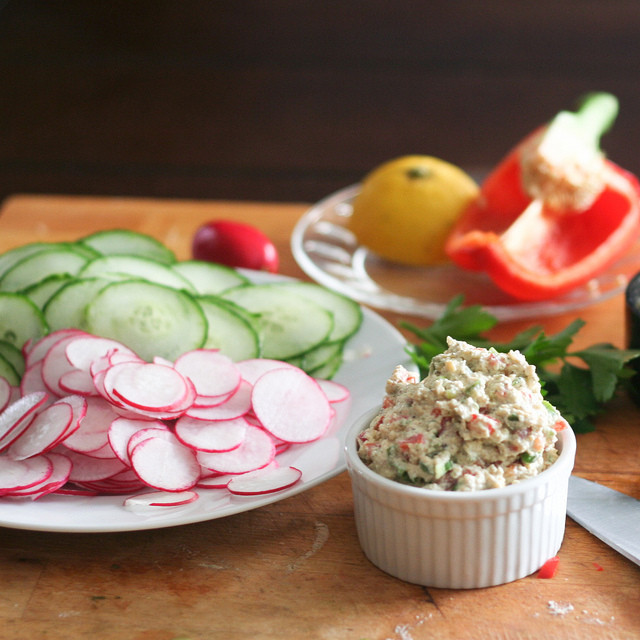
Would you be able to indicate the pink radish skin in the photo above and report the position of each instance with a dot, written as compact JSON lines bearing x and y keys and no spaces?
{"x":17,"y":416}
{"x":88,"y":469}
{"x":264,"y":481}
{"x":35,"y":352}
{"x":151,"y":432}
{"x":6,"y":393}
{"x":93,"y":432}
{"x":256,"y":451}
{"x":334,"y":391}
{"x":160,"y":499}
{"x":165,"y":465}
{"x":218,"y":436}
{"x":252,"y":369}
{"x":291,"y":405}
{"x":121,"y":430}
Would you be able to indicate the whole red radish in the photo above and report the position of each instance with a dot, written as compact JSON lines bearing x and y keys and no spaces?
{"x":235,"y":244}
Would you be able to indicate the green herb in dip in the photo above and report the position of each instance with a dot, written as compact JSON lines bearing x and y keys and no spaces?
{"x":477,"y":421}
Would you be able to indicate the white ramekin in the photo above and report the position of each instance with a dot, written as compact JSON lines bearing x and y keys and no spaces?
{"x":460,"y":540}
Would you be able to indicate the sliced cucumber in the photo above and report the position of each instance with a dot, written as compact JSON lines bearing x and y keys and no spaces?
{"x":209,"y":278}
{"x":20,"y":319}
{"x":123,"y":241}
{"x":41,"y":292}
{"x":328,"y":369}
{"x":8,"y":372}
{"x":289,"y":325}
{"x":347,"y":314}
{"x":13,"y":356}
{"x":150,"y":318}
{"x":58,"y":259}
{"x":229,"y":331}
{"x":67,"y":307}
{"x":134,"y":267}
{"x":13,"y":256}
{"x":320,"y":356}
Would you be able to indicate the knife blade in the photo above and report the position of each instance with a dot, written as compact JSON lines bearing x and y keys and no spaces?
{"x":612,"y":516}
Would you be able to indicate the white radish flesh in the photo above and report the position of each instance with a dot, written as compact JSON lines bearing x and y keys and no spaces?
{"x":212,"y":373}
{"x":22,"y":474}
{"x":291,"y":405}
{"x":221,"y":435}
{"x":264,"y":481}
{"x":160,"y":499}
{"x":235,"y":406}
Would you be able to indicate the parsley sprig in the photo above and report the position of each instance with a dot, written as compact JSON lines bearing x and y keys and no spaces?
{"x":577,"y":383}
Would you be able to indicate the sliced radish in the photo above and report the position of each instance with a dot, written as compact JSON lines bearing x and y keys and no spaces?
{"x":334,"y":391}
{"x":83,"y":351}
{"x":291,"y":405}
{"x":35,"y":352}
{"x":235,"y":406}
{"x":264,"y":481}
{"x":150,"y":432}
{"x":92,"y":434}
{"x":22,"y":474}
{"x":160,"y":499}
{"x":55,"y":365}
{"x":77,"y":381}
{"x":88,"y":469}
{"x":212,"y":373}
{"x":54,"y":482}
{"x":148,"y":386}
{"x":32,"y":381}
{"x":44,"y":432}
{"x":122,"y":429}
{"x":17,"y":416}
{"x":253,"y":368}
{"x":165,"y":465}
{"x":221,"y":435}
{"x":256,"y":451}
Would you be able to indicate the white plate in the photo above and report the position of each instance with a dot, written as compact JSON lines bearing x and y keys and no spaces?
{"x":370,"y":358}
{"x":328,"y":252}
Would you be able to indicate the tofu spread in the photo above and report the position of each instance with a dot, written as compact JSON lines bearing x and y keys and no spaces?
{"x":477,"y":421}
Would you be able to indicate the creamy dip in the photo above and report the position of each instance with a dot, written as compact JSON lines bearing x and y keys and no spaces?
{"x":477,"y":421}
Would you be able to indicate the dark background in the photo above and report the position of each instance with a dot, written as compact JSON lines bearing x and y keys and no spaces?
{"x":289,"y":100}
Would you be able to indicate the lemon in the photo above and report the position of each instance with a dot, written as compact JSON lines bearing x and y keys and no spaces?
{"x":407,"y":207}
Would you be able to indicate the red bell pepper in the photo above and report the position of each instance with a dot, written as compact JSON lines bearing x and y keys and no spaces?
{"x":555,"y":212}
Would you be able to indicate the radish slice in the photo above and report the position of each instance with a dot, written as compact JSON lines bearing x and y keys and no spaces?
{"x":6,"y":393}
{"x":36,"y":351}
{"x":22,"y":474}
{"x":77,"y":381}
{"x":221,"y":435}
{"x":291,"y":405}
{"x":334,"y":391}
{"x":93,"y":432}
{"x":55,"y":365}
{"x":212,"y":373}
{"x":88,"y":469}
{"x":256,"y":451}
{"x":165,"y":465}
{"x":252,"y":369}
{"x":44,"y":432}
{"x":84,"y":350}
{"x":17,"y":416}
{"x":150,"y":432}
{"x":264,"y":481}
{"x":148,"y":386}
{"x":58,"y":478}
{"x":161,"y":499}
{"x":122,"y":429}
{"x":32,"y":381}
{"x":235,"y":406}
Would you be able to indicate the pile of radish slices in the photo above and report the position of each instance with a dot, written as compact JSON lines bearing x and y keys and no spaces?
{"x":92,"y":418}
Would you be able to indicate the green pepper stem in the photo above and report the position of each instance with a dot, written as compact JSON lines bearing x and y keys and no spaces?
{"x":594,"y":117}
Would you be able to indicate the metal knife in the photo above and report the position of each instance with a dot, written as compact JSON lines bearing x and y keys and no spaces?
{"x":608,"y":514}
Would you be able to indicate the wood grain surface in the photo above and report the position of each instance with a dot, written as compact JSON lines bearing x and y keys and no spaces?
{"x":294,"y":569}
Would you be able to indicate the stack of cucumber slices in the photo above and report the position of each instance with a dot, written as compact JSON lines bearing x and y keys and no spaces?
{"x":128,"y":286}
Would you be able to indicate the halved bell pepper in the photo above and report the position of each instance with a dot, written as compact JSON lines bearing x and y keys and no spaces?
{"x":555,"y":212}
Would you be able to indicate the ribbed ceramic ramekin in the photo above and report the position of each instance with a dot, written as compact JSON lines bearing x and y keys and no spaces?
{"x":460,"y":540}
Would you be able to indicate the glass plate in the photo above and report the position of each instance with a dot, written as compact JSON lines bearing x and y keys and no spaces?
{"x":370,"y":358}
{"x":328,"y":252}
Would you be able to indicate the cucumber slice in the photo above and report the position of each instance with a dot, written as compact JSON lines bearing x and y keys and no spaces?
{"x":347,"y":314}
{"x":134,"y":267}
{"x":57,"y":259}
{"x":150,"y":318}
{"x":328,"y":369}
{"x":20,"y":319}
{"x":41,"y":292}
{"x":67,"y":307}
{"x":320,"y":356}
{"x":123,"y":241}
{"x":209,"y":278}
{"x":8,"y":372}
{"x":13,"y":356}
{"x":13,"y":256}
{"x":289,"y":325}
{"x":229,"y":331}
